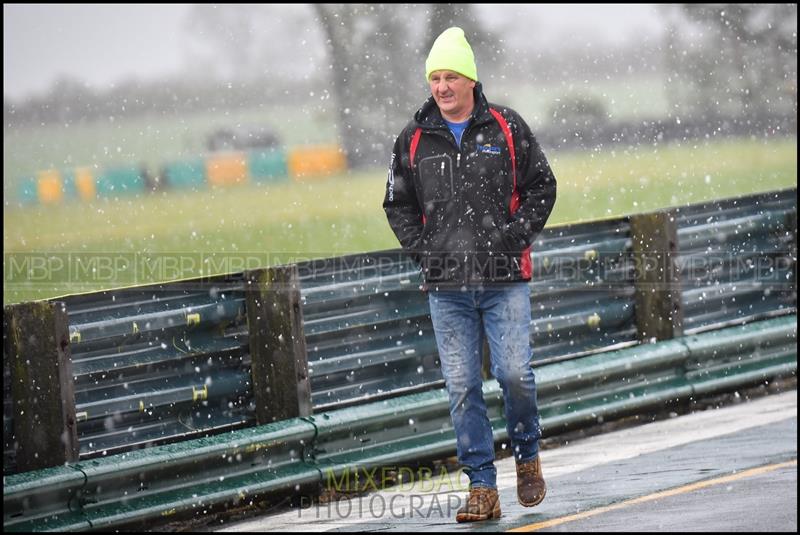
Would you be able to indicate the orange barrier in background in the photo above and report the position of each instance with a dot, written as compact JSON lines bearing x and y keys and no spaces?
{"x":84,"y":183}
{"x":50,"y":187}
{"x":315,"y":161}
{"x":310,"y":162}
{"x":227,"y":169}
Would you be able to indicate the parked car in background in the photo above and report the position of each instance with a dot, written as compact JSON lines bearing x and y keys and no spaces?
{"x":242,"y":138}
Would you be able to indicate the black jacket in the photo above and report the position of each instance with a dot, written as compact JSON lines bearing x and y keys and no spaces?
{"x":452,"y":208}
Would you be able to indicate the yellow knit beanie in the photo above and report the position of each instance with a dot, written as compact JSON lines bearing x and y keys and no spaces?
{"x":451,"y":52}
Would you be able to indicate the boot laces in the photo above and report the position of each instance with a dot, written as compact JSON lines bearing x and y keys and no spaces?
{"x":530,"y":467}
{"x":478,"y":493}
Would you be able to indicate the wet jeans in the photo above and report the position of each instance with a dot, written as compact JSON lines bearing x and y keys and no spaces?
{"x":505,"y":312}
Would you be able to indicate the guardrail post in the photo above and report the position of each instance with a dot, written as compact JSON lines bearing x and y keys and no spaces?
{"x":791,"y":223}
{"x":281,"y":385}
{"x":659,"y":314}
{"x":37,"y":345}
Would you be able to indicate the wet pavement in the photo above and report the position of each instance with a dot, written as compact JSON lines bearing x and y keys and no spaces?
{"x":727,"y":469}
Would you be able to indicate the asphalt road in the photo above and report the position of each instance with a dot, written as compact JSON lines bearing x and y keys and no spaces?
{"x":727,"y":469}
{"x":719,"y":504}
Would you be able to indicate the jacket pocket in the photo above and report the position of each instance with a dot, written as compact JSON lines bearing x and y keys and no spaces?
{"x":436,"y":176}
{"x":509,"y":244}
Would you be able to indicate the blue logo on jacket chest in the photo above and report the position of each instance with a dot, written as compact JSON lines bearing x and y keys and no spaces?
{"x":488,"y":149}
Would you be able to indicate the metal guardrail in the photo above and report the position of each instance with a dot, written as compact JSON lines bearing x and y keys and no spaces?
{"x":368,"y":328}
{"x":159,"y":361}
{"x":159,"y":483}
{"x":172,"y":361}
{"x":582,"y":290}
{"x":735,"y":259}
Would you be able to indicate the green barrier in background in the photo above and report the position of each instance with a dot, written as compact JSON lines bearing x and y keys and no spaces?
{"x":267,"y":166}
{"x":185,"y":174}
{"x":70,"y":188}
{"x":26,"y":193}
{"x":120,"y":181}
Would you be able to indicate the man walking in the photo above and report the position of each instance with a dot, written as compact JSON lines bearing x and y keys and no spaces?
{"x":468,"y":191}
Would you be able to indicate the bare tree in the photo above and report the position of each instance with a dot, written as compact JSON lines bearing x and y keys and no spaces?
{"x":377,"y":63}
{"x":745,"y":64}
{"x":374,"y":70}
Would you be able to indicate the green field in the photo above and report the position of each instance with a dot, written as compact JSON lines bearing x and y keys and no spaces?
{"x":623,"y":98}
{"x":280,"y":223}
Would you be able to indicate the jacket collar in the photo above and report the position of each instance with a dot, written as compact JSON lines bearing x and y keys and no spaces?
{"x":429,"y":117}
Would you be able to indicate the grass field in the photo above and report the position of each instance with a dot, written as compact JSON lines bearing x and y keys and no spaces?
{"x":329,"y":217}
{"x":624,"y":98}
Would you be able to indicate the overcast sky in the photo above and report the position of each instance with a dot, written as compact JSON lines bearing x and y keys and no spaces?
{"x":104,"y":44}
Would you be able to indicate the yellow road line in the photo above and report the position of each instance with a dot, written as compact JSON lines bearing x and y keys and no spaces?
{"x":657,"y":496}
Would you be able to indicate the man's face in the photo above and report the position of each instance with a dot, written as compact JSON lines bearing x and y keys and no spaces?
{"x":452,"y":93}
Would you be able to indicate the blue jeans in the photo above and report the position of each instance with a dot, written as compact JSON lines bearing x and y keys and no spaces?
{"x":505,"y":312}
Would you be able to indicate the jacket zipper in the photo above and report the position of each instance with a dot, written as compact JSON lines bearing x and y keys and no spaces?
{"x":466,"y":274}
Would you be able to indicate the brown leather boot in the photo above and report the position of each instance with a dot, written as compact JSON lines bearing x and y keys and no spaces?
{"x":530,"y":483}
{"x":483,"y":503}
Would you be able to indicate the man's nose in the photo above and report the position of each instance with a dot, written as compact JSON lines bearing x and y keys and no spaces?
{"x":441,"y":86}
